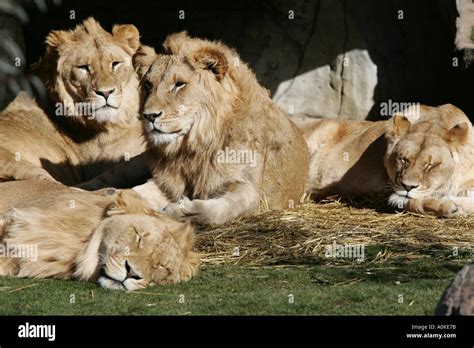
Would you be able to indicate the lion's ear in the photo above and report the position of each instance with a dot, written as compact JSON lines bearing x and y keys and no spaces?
{"x":114,"y":209}
{"x":400,"y":124}
{"x":458,"y":133}
{"x":127,"y":34}
{"x":184,"y":236}
{"x":143,"y":59}
{"x":57,"y":39}
{"x":127,"y":202}
{"x":175,"y":43}
{"x":211,"y":59}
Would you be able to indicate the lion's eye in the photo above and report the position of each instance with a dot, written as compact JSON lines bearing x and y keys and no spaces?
{"x":430,"y":166}
{"x":84,"y":67}
{"x":179,"y":85}
{"x":115,"y":64}
{"x":147,"y":85}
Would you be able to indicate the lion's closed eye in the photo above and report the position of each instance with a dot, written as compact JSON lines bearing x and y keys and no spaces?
{"x":178,"y":86}
{"x":116,"y":64}
{"x":430,"y":166}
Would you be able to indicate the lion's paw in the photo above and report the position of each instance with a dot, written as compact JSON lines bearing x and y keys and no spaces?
{"x":180,"y":209}
{"x":449,"y":209}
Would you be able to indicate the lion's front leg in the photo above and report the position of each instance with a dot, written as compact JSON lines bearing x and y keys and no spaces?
{"x":216,"y":211}
{"x":446,"y":207}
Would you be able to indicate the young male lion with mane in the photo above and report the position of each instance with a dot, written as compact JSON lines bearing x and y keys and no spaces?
{"x":217,"y":144}
{"x":115,"y":239}
{"x":92,"y":120}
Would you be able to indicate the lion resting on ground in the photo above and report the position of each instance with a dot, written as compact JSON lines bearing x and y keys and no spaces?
{"x":217,"y":144}
{"x":113,"y":239}
{"x":430,"y":161}
{"x":426,"y":155}
{"x":346,"y":157}
{"x":92,"y":121}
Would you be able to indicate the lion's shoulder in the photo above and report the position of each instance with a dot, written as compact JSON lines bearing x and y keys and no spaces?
{"x":23,"y":101}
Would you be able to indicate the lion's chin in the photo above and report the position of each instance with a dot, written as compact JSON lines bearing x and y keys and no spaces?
{"x":128,"y":284}
{"x":105,"y":114}
{"x":159,"y":138}
{"x":109,"y":283}
{"x":398,"y":201}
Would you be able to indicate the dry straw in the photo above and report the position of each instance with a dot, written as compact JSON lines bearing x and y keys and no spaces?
{"x":300,"y":236}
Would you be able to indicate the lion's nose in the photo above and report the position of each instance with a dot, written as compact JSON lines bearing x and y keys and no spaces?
{"x":409,"y":187}
{"x":130,"y":273}
{"x":152,"y":116}
{"x":104,"y":94}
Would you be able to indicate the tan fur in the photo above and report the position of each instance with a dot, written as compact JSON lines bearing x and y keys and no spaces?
{"x":346,"y":157}
{"x":67,"y":143}
{"x":433,"y":155}
{"x":210,"y":100}
{"x":430,"y":150}
{"x":113,"y":239}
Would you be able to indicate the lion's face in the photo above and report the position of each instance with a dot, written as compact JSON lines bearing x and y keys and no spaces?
{"x":92,"y":72}
{"x":138,"y":251}
{"x":422,"y":157}
{"x":173,"y":99}
{"x":95,"y":77}
{"x":422,"y":166}
{"x":184,"y":90}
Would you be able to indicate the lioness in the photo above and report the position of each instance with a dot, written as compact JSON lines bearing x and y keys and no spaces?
{"x":346,"y":157}
{"x":115,"y":240}
{"x":426,"y":156}
{"x":430,"y":161}
{"x":92,"y":121}
{"x":217,"y":144}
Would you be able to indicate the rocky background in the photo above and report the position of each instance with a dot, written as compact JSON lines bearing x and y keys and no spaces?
{"x":331,"y":58}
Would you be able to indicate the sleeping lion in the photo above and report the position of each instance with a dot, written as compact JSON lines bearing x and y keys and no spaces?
{"x":92,"y":120}
{"x":116,"y":240}
{"x":218,"y":147}
{"x":425,"y":158}
{"x":430,"y":162}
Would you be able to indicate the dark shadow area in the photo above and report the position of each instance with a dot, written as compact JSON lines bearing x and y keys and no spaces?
{"x":354,"y":188}
{"x":414,"y":55}
{"x":83,"y":172}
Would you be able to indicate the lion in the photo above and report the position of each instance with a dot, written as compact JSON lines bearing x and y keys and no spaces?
{"x":218,"y":147}
{"x":421,"y":158}
{"x":58,"y":232}
{"x":92,"y":120}
{"x":346,"y":157}
{"x":430,"y":161}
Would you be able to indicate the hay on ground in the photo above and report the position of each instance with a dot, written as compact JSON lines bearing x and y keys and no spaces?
{"x":302,"y":236}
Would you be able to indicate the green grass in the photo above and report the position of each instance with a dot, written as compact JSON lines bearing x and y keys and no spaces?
{"x":359,"y":289}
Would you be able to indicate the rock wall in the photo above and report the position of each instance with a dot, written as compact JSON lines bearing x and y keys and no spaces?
{"x":333,"y":58}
